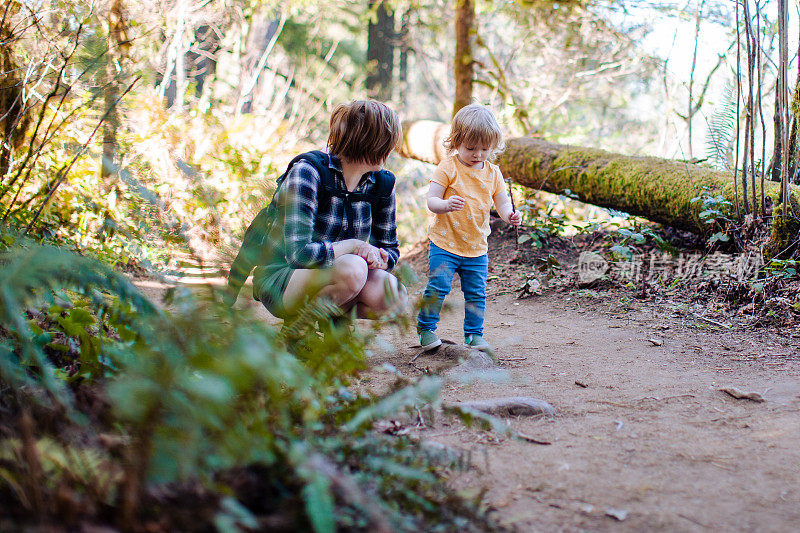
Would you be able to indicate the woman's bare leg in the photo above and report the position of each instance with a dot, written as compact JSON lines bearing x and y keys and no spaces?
{"x":342,"y":283}
{"x":348,"y":283}
{"x":381,"y":294}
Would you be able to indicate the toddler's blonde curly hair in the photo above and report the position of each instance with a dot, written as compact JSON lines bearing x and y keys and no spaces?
{"x":475,"y":124}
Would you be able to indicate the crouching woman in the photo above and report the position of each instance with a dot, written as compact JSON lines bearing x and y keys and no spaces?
{"x":336,"y":231}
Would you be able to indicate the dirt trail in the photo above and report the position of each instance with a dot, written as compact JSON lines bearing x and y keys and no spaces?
{"x":650,"y":439}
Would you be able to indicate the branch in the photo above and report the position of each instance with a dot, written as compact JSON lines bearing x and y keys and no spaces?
{"x":262,"y":61}
{"x":40,"y":120}
{"x":62,"y":173}
{"x":503,"y":86}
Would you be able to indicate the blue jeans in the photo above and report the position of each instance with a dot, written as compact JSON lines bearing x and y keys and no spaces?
{"x":442,"y":266}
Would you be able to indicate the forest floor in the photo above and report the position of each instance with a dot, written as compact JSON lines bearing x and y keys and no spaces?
{"x":643,"y":438}
{"x":647,"y":437}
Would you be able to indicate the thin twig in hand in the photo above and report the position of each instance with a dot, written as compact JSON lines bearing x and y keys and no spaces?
{"x":513,"y":210}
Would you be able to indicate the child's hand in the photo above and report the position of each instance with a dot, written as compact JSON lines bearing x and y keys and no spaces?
{"x":455,"y":203}
{"x":515,"y":218}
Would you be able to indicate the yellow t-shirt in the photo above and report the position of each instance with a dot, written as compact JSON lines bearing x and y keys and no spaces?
{"x":465,"y":232}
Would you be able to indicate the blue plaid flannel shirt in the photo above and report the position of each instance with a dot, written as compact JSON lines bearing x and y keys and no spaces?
{"x":309,"y":230}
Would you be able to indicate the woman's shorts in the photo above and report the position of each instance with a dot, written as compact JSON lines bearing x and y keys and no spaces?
{"x":269,"y":284}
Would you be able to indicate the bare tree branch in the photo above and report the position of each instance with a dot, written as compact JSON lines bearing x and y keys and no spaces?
{"x":64,"y":170}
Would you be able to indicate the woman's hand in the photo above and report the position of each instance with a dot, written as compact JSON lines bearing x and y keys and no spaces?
{"x":383,"y":262}
{"x":376,"y":258}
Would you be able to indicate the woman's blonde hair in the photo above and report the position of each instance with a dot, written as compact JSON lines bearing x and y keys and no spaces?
{"x":364,"y":130}
{"x":474,"y":124}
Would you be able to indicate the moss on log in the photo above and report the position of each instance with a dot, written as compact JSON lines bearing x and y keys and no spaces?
{"x":783,"y":236}
{"x":657,"y":189}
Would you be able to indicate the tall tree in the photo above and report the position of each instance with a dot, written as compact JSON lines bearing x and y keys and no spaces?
{"x":13,"y":119}
{"x":783,"y":92}
{"x":381,"y":39}
{"x":463,"y":68}
{"x":117,"y":41}
{"x":265,"y":29}
{"x":405,"y":46}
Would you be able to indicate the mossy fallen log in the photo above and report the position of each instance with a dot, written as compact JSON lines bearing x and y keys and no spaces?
{"x":658,"y":189}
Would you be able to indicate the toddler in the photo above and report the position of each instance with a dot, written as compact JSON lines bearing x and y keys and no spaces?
{"x":463,"y":188}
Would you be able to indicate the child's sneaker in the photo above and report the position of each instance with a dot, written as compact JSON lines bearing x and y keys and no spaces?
{"x":479,"y":343}
{"x":428,"y":340}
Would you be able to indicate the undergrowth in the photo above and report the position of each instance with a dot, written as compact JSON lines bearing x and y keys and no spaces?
{"x":191,"y":416}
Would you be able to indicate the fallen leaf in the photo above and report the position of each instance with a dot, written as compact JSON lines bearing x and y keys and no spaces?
{"x":502,"y":503}
{"x":581,"y":384}
{"x":531,"y":287}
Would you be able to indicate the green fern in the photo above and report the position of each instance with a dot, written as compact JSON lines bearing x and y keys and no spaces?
{"x":308,"y":320}
{"x":326,"y":341}
{"x":721,"y":134}
{"x":198,"y":390}
{"x":30,"y":276}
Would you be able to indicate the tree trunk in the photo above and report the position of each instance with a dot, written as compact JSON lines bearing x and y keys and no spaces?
{"x":14,"y":120}
{"x":658,"y":189}
{"x":174,"y":82}
{"x":774,"y":169}
{"x":201,"y":59}
{"x":380,"y":51}
{"x":405,"y":48}
{"x":115,"y":40}
{"x":464,"y":61}
{"x":792,"y":151}
{"x":260,"y":40}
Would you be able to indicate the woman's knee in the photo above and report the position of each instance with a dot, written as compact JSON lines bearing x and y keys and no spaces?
{"x":393,"y":291}
{"x":383,"y":291}
{"x":350,"y":271}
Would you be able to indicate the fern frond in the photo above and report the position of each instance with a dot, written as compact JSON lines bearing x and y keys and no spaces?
{"x":308,"y":320}
{"x":325,"y":341}
{"x":721,"y":134}
{"x":31,"y":274}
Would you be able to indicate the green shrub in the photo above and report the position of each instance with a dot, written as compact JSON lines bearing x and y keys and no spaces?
{"x":196,"y":392}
